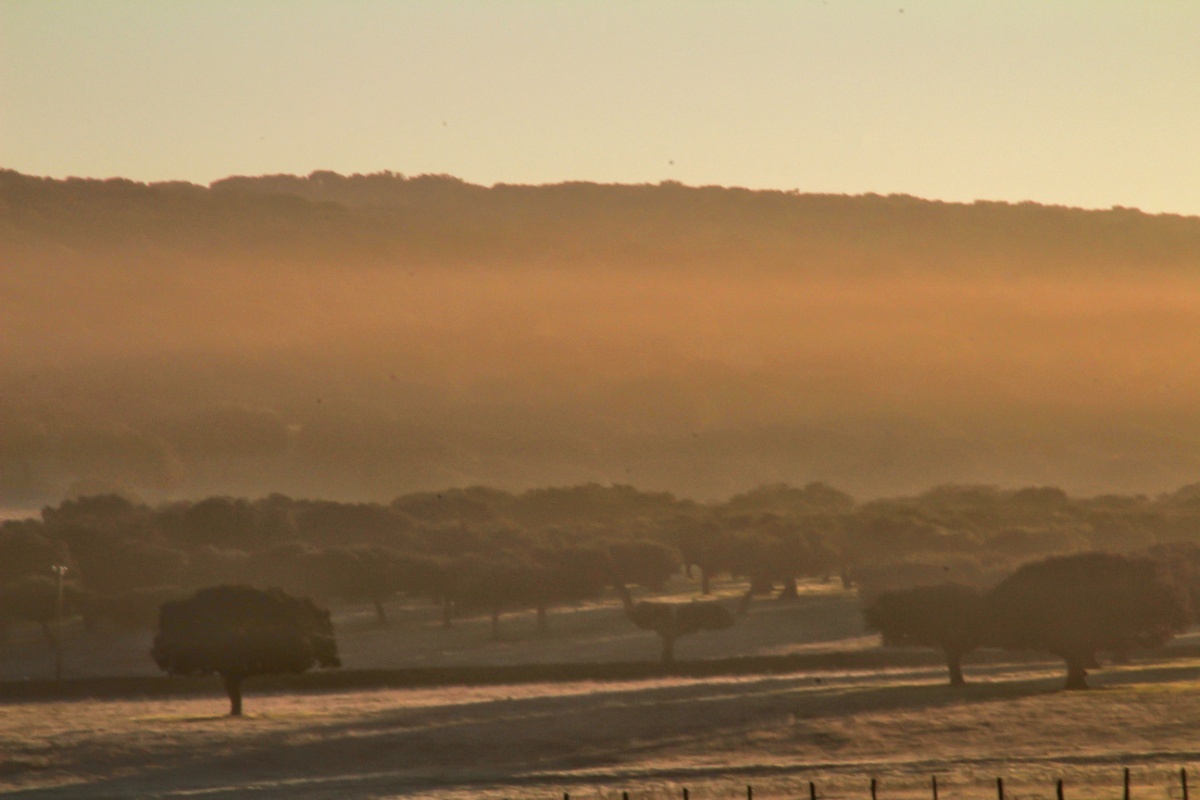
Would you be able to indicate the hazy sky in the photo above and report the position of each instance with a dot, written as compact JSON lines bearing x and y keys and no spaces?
{"x":1080,"y":103}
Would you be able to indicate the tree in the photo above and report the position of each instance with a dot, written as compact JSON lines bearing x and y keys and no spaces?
{"x":239,"y":632}
{"x":949,"y":616}
{"x":1076,"y":605}
{"x":429,"y":576}
{"x":706,"y":545}
{"x":35,"y":599}
{"x":671,"y":621}
{"x":560,"y":575}
{"x":137,"y":609}
{"x":498,"y":583}
{"x":647,"y":563}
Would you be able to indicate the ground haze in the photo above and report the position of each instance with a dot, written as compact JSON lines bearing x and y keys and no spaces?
{"x":358,"y":338}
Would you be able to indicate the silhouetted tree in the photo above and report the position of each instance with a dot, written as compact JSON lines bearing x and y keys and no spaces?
{"x":681,"y":620}
{"x":136,"y":609}
{"x":1180,"y":563}
{"x":673,"y":620}
{"x":497,"y":583}
{"x":35,"y":599}
{"x":707,"y":546}
{"x":949,"y":616}
{"x":643,"y":562}
{"x":1076,"y":605}
{"x":429,"y":576}
{"x":566,"y":575}
{"x":239,"y":632}
{"x":26,"y":550}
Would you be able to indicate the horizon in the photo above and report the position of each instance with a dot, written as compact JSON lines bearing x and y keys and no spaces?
{"x":1056,"y":103}
{"x":585,"y":182}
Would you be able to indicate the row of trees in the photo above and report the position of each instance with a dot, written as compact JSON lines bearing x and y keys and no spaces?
{"x":1074,"y":607}
{"x":485,"y":550}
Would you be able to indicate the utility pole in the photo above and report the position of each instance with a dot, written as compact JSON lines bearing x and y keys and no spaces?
{"x":59,"y":570}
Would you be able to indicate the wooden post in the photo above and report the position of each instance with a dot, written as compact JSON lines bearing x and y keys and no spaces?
{"x":935,"y":792}
{"x":872,"y":789}
{"x":1000,"y":788}
{"x":1059,"y":789}
{"x":624,"y":795}
{"x":812,"y":791}
{"x":685,"y":793}
{"x":1127,"y":783}
{"x":1183,"y":781}
{"x":749,"y":793}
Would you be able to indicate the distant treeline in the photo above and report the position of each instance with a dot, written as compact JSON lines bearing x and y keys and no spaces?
{"x":484,"y":550}
{"x":441,"y":219}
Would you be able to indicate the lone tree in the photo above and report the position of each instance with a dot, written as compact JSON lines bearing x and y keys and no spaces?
{"x":239,"y":632}
{"x":949,"y":616}
{"x":671,"y":621}
{"x":1076,"y":605}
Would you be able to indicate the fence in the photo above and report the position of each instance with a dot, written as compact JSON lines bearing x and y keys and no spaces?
{"x":874,"y":788}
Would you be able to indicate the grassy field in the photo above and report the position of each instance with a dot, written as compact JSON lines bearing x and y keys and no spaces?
{"x":649,"y":737}
{"x":824,"y":618}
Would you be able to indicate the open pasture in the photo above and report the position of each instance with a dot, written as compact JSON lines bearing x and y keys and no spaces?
{"x":647,"y":737}
{"x":824,"y":618}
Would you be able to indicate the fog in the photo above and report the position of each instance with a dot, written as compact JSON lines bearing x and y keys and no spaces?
{"x":172,"y":370}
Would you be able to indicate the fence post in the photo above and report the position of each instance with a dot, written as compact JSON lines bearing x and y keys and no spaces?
{"x":1000,"y":788}
{"x":749,"y":792}
{"x":933,"y":780}
{"x":624,"y":795}
{"x":1059,"y":789}
{"x":1183,"y":781}
{"x":1126,"y":783}
{"x":685,"y":793}
{"x":872,"y":789}
{"x":812,"y":791}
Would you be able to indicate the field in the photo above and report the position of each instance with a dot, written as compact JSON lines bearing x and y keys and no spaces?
{"x":596,"y":739}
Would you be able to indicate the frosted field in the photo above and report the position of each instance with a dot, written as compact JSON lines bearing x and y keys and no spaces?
{"x":648,"y":737}
{"x":597,"y":739}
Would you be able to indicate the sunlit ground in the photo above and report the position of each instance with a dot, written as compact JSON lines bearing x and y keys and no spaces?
{"x":650,"y":738}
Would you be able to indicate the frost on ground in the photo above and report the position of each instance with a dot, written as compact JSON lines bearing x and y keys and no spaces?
{"x":648,"y":737}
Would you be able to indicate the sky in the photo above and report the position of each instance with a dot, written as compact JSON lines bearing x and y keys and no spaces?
{"x":1089,"y":104}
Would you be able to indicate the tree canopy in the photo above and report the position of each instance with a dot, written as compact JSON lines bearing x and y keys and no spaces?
{"x":1077,"y":605}
{"x":239,"y":632}
{"x":948,"y":616}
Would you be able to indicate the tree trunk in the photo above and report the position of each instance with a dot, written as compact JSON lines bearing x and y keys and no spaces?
{"x":761,"y":585}
{"x":380,"y":614}
{"x":1076,"y":673}
{"x":668,"y":650}
{"x":541,"y":619}
{"x":954,"y":664}
{"x":790,"y":590}
{"x":233,"y":688}
{"x":626,"y":597}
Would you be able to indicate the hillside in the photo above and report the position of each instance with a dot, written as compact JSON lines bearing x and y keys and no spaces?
{"x":437,"y":219}
{"x":360,"y":337}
